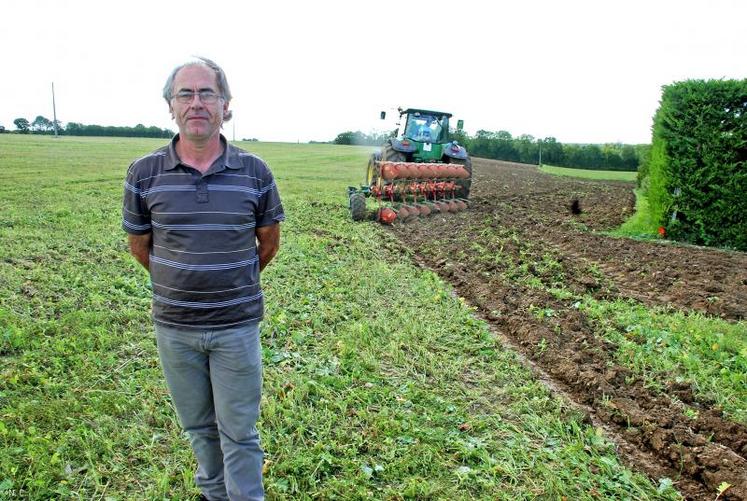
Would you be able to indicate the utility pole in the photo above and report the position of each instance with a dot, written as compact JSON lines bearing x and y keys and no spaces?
{"x":539,"y":142}
{"x":54,"y":113}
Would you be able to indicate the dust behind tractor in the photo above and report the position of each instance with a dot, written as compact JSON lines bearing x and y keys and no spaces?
{"x":416,"y":173}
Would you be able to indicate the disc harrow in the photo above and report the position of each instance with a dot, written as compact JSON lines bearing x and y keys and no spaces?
{"x":420,"y":170}
{"x":406,"y":191}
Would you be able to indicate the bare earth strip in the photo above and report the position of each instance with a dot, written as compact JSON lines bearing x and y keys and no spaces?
{"x":521,"y":219}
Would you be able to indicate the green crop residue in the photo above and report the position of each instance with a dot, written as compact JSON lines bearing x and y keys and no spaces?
{"x":379,"y":381}
{"x":708,"y":354}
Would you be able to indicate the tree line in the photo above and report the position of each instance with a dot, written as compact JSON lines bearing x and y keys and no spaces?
{"x":42,"y":125}
{"x":361,"y":138}
{"x":528,"y":149}
{"x":525,"y":148}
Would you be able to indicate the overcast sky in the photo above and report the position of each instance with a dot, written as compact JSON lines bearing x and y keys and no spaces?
{"x":580,"y":71}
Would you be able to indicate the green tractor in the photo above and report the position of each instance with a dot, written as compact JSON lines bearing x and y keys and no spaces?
{"x":420,"y":162}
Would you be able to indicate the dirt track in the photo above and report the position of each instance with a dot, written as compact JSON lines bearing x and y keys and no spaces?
{"x":538,"y":227}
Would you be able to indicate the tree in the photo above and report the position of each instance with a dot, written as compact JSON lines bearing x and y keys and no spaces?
{"x":458,"y":135}
{"x":591,"y":156}
{"x":361,"y":139}
{"x":573,"y":156}
{"x":611,"y":157}
{"x":482,"y":144}
{"x":527,"y":149}
{"x":505,"y":147}
{"x":504,"y":135}
{"x":41,"y":124}
{"x":22,"y":125}
{"x":74,"y":128}
{"x":552,"y":151}
{"x":629,"y":157}
{"x":484,"y":134}
{"x":498,"y":145}
{"x":346,"y":137}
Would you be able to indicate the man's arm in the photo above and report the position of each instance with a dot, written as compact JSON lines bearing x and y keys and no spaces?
{"x":268,"y":243}
{"x":140,"y":248}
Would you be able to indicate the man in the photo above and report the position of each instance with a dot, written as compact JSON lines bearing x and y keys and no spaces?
{"x":203,"y":218}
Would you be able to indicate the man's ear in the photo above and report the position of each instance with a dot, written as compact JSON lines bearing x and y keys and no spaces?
{"x":171,"y":110}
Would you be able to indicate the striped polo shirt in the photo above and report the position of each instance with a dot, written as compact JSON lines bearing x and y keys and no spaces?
{"x":204,"y":265}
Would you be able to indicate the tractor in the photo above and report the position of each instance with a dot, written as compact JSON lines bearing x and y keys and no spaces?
{"x":417,"y":172}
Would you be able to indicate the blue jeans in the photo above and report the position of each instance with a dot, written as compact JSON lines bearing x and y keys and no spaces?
{"x":215,"y":380}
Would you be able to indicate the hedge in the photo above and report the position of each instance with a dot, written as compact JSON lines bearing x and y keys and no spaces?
{"x":697,"y":169}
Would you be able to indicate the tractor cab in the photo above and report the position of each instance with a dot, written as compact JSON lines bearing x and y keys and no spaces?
{"x":424,"y":136}
{"x":426,"y":126}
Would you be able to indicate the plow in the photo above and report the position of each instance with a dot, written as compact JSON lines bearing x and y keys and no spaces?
{"x":416,"y":174}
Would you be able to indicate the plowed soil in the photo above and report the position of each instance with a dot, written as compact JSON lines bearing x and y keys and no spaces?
{"x":547,"y":228}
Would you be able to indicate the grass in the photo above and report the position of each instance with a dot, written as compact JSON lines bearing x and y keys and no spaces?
{"x":640,"y":224}
{"x":379,"y":382}
{"x":609,"y":175}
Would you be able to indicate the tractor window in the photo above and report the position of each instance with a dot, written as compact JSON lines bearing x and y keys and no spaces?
{"x":425,"y":128}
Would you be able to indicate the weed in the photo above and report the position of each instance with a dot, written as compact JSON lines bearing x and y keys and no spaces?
{"x":542,"y":346}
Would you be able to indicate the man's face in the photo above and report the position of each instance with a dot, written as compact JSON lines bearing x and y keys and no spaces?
{"x":197,"y":121}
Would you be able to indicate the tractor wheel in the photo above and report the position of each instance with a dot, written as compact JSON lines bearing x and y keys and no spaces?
{"x":391,"y":155}
{"x":464,"y":184}
{"x":358,"y":206}
{"x":373,"y":172}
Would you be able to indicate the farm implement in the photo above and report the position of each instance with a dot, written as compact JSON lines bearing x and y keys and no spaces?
{"x":416,"y":174}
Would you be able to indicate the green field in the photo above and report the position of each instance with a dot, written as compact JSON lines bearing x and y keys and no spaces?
{"x":610,"y":175}
{"x":380,"y":383}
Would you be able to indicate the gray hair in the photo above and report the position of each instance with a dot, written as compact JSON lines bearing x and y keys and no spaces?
{"x":223,"y":89}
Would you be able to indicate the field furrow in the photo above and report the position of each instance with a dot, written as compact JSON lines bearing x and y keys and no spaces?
{"x":647,"y":335}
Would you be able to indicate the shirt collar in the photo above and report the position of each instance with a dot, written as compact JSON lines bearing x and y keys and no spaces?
{"x":229,"y":158}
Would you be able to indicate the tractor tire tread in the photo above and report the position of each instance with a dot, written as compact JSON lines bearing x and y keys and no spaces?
{"x":358,"y":206}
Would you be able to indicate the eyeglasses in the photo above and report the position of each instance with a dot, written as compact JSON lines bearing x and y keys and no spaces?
{"x":206,"y":96}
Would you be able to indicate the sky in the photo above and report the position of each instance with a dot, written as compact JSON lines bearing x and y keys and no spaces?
{"x":580,"y":71}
